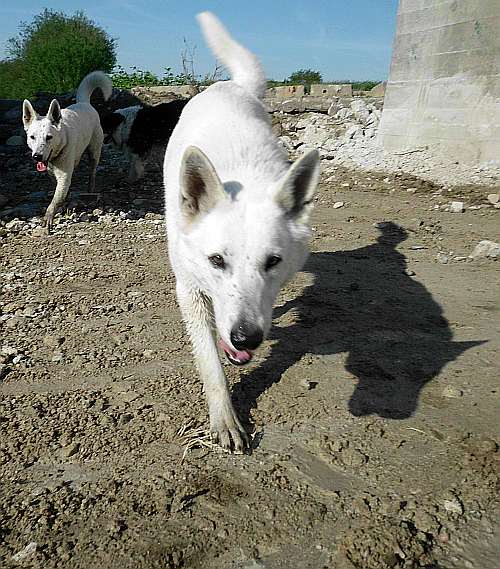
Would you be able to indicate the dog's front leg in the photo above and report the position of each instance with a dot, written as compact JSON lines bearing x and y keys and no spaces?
{"x":224,"y":423}
{"x":63,"y":180}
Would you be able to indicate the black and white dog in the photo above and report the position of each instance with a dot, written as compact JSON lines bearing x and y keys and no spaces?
{"x":138,"y":130}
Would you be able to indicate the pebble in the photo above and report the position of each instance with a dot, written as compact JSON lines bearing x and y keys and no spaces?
{"x":442,"y":258}
{"x":493,"y":198}
{"x":338,"y":205}
{"x":52,"y":341}
{"x":453,"y":505}
{"x":457,"y":207}
{"x":452,"y":392}
{"x":353,"y":457}
{"x":70,"y":450}
{"x":57,"y":357}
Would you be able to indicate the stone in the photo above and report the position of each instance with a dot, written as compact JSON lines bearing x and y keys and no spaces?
{"x":353,"y":457}
{"x":442,"y":258}
{"x":338,"y":205}
{"x":15,"y":141}
{"x":453,"y":505}
{"x":452,"y":392}
{"x":25,"y":553}
{"x":70,"y":450}
{"x":354,"y":131}
{"x":486,"y":249}
{"x":457,"y":207}
{"x":52,"y":341}
{"x":493,"y":198}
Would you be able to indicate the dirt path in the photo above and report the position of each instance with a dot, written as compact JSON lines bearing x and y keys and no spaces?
{"x":374,"y":404}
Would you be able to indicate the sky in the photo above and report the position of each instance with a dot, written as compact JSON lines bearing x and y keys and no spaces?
{"x":343,"y":39}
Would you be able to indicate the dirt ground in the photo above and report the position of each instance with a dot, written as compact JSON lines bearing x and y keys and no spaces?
{"x":373,"y":405}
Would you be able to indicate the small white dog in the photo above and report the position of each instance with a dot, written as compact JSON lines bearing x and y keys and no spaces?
{"x":237,"y":221}
{"x":58,"y":140}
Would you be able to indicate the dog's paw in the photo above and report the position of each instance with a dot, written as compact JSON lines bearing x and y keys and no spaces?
{"x":47,"y":223}
{"x":228,"y":432}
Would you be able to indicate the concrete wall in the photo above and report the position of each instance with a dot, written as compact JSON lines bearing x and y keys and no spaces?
{"x":322,"y":90}
{"x":444,"y":84}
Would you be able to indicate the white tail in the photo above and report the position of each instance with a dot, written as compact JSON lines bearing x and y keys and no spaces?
{"x":94,"y":80}
{"x":243,"y":65}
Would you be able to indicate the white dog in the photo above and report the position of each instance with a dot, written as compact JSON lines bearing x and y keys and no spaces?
{"x":58,"y":140}
{"x":237,"y":221}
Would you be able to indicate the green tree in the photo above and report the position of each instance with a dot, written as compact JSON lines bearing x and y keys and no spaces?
{"x":304,"y":77}
{"x":55,"y":52}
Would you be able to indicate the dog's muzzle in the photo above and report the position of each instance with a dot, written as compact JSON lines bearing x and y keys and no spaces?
{"x":41,"y":164}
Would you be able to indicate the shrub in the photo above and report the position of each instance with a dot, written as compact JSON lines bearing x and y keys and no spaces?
{"x":304,"y":77}
{"x":364,"y":85}
{"x":54,"y":52}
{"x":11,"y":79}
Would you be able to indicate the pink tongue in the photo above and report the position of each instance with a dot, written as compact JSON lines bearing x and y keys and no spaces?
{"x":40,"y":166}
{"x":240,"y":356}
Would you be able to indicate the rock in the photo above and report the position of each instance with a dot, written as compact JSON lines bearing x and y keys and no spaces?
{"x":442,"y":258}
{"x":493,"y":198}
{"x":353,"y":457}
{"x":308,"y":383}
{"x":58,"y":357}
{"x":70,"y":450}
{"x":15,"y":141}
{"x":4,"y":200}
{"x":452,"y":504}
{"x":39,"y":231}
{"x":484,"y":249}
{"x":338,"y":205}
{"x":52,"y":341}
{"x":457,"y":207}
{"x":452,"y":392}
{"x":25,"y":553}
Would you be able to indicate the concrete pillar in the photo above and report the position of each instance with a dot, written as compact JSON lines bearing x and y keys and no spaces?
{"x":444,"y":84}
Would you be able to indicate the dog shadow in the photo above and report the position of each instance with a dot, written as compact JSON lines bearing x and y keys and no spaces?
{"x":362,"y":303}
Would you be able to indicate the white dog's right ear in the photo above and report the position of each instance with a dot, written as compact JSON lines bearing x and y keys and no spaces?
{"x":29,"y":113}
{"x":296,"y":190}
{"x":201,"y":188}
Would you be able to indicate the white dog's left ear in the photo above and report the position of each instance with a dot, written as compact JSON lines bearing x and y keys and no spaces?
{"x":296,"y":190}
{"x":201,"y":188}
{"x":54,"y":112}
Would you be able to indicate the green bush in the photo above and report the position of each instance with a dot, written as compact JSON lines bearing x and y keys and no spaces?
{"x":364,"y":85}
{"x":53,"y":53}
{"x":11,"y":79}
{"x":304,"y":77}
{"x":139,"y":78}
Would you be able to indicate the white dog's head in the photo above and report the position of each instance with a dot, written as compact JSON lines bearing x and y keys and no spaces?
{"x":242,"y":249}
{"x":44,"y":135}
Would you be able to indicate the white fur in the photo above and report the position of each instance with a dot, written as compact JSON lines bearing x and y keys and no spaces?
{"x":71,"y":132}
{"x":252,"y":206}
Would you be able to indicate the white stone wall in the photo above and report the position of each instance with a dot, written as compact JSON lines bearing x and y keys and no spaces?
{"x":444,"y":85}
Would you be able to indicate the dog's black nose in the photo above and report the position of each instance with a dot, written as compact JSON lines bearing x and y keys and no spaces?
{"x":37,"y":157}
{"x":246,"y":336}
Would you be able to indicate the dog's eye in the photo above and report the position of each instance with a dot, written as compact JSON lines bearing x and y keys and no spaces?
{"x":49,"y":137}
{"x":217,"y":261}
{"x":32,"y":137}
{"x":272,"y":261}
